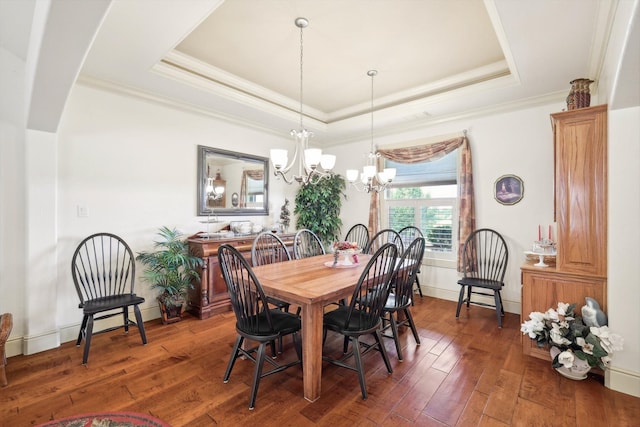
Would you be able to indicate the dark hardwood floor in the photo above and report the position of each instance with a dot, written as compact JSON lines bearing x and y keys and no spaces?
{"x":467,"y":372}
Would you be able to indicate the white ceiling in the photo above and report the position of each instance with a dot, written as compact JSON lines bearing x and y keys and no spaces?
{"x":437,"y":59}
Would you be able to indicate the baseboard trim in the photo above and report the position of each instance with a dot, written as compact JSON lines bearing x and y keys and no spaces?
{"x":449,"y":295}
{"x":52,"y":339}
{"x":621,"y":380}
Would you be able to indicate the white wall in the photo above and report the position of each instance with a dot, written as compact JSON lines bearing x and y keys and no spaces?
{"x":12,"y":189}
{"x":624,"y":248}
{"x":517,"y":142}
{"x":132,"y":165}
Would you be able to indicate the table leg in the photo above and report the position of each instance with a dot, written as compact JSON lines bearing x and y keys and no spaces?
{"x":312,"y":350}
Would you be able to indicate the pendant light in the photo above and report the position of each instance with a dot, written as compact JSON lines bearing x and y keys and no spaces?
{"x":312,"y":165}
{"x":370,"y":179}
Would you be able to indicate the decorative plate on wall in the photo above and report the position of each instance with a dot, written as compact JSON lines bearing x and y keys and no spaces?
{"x":508,"y":189}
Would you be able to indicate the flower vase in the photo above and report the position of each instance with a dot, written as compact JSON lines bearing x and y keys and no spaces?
{"x":578,"y":371}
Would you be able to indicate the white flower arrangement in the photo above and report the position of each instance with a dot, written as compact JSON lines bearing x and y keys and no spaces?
{"x":563,"y":329}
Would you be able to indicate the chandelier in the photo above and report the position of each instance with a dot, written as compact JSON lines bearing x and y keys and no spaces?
{"x":370,"y":178}
{"x":214,"y":192}
{"x":312,"y":165}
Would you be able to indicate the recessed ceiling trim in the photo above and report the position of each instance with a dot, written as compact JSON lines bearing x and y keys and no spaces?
{"x":459,"y":81}
{"x":494,"y":17}
{"x":189,"y":70}
{"x":219,"y":77}
{"x":202,"y":82}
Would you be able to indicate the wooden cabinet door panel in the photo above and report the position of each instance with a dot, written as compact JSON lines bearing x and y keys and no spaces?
{"x":581,"y":198}
{"x":542,"y":290}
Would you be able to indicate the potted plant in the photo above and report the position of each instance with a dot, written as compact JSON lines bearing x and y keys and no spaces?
{"x":318,"y":207}
{"x":170,"y":268}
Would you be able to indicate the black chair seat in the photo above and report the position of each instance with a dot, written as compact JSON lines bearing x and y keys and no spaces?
{"x":481,"y":283}
{"x":360,"y":321}
{"x":259,"y":328}
{"x":395,"y":302}
{"x":110,"y":303}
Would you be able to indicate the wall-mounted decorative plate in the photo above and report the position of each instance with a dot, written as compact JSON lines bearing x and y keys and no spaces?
{"x":508,"y":189}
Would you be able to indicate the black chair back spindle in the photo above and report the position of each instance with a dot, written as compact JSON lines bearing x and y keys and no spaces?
{"x":359,"y":233}
{"x":307,"y":244}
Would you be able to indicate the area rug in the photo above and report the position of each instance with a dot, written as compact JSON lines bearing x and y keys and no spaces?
{"x":107,"y":419}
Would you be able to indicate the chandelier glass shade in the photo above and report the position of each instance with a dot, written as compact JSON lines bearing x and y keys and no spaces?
{"x":370,"y":179}
{"x":214,"y":192}
{"x":312,"y":165}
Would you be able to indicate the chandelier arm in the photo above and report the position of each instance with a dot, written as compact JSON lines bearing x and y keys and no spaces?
{"x":282,"y":175}
{"x":296,"y":153}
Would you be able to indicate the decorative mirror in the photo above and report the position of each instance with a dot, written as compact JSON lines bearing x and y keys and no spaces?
{"x":231,"y":183}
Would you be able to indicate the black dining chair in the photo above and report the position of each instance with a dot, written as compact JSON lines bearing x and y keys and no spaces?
{"x":408,"y":234}
{"x":104,"y":270}
{"x":484,"y":260}
{"x":363,"y":315}
{"x":307,"y":244}
{"x":400,"y":297}
{"x":268,"y":248}
{"x":384,"y":236}
{"x":359,"y":233}
{"x":255,"y":321}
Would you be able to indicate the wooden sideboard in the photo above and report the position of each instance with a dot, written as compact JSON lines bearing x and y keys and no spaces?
{"x":580,"y":178}
{"x":209,"y":295}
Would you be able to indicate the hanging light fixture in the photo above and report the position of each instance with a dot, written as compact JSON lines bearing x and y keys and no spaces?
{"x":312,"y":164}
{"x":214,"y":192}
{"x":214,"y":188}
{"x":370,"y":178}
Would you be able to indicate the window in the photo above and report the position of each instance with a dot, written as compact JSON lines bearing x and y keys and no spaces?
{"x":426,"y":195}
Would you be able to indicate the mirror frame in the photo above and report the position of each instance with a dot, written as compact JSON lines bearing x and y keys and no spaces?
{"x":203,"y":152}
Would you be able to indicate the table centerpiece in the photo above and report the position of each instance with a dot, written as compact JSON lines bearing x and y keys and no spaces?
{"x":348,"y":251}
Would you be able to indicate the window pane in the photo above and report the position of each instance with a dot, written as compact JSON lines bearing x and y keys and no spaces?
{"x":401,"y":216}
{"x":437,"y":227}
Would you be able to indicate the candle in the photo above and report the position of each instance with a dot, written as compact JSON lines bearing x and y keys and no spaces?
{"x":550,"y":232}
{"x":539,"y":233}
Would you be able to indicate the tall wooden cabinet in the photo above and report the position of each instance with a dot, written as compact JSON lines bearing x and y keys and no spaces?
{"x":209,"y":295}
{"x":580,"y":150}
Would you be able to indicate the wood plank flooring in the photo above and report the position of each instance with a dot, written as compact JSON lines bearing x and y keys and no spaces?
{"x":467,"y":372}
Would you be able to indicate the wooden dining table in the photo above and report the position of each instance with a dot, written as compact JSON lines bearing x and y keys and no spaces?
{"x":312,"y":283}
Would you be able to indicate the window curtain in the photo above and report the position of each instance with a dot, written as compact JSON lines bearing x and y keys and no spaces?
{"x":430,"y":152}
{"x":256,"y":174}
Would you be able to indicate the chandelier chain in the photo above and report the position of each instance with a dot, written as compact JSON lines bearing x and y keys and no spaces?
{"x":301,"y":74}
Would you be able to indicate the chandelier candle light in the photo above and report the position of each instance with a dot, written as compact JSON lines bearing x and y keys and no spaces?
{"x":308,"y":158}
{"x":370,"y":178}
